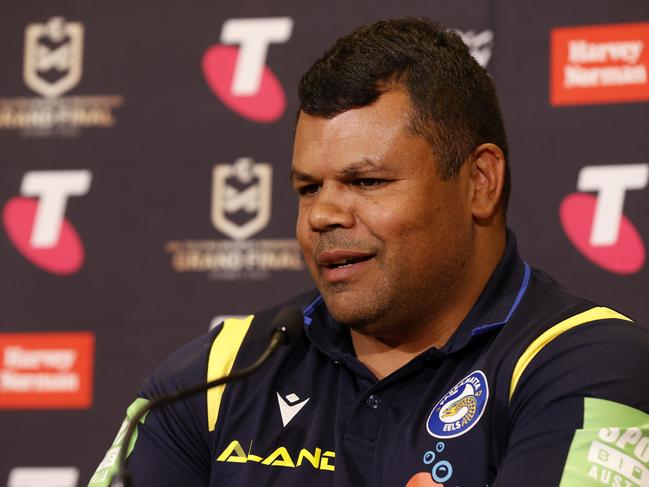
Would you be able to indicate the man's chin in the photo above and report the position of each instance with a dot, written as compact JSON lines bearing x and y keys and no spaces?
{"x":353,"y":313}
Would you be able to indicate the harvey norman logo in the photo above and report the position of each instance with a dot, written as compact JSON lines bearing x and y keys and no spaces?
{"x":52,"y":66}
{"x":46,"y":370}
{"x":241,"y":208}
{"x":599,"y":64}
{"x":43,"y":477}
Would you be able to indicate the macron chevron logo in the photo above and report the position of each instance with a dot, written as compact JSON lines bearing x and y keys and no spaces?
{"x":290,"y":406}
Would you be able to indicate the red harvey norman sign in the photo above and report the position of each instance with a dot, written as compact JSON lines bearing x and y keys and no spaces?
{"x":599,"y":64}
{"x":46,"y":370}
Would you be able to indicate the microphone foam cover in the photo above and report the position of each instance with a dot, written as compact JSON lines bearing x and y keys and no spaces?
{"x":291,"y":322}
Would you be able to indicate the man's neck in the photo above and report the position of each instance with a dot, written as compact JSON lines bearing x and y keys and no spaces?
{"x":384,"y":355}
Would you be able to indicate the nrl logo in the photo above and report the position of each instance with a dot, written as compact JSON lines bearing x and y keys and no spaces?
{"x":240,"y":208}
{"x":53,"y":56}
{"x":241,"y":197}
{"x":480,"y":44}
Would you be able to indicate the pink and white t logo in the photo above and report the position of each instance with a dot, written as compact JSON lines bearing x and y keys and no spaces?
{"x":238,"y":75}
{"x":597,"y":226}
{"x":36,"y":223}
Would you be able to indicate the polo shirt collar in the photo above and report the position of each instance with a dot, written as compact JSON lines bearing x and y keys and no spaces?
{"x":498,"y":301}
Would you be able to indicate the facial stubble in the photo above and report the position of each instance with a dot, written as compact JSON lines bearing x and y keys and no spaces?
{"x":399,"y":306}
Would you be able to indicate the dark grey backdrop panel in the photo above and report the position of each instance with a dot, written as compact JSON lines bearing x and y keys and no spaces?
{"x":550,"y":144}
{"x":152,"y":183}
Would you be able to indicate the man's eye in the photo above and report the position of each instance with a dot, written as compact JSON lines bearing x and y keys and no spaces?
{"x":368,"y":182}
{"x":308,"y":190}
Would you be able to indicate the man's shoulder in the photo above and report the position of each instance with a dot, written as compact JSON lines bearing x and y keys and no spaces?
{"x":555,"y":331}
{"x":552,"y":309}
{"x":567,"y":370}
{"x":576,"y":345}
{"x":547,"y":303}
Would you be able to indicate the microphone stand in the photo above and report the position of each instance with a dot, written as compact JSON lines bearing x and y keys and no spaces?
{"x":122,"y":479}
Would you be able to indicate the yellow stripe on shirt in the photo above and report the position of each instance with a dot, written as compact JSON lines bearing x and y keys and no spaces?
{"x":593,"y":314}
{"x":222,"y":355}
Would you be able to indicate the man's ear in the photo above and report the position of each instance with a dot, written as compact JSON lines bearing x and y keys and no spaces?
{"x":487,"y":180}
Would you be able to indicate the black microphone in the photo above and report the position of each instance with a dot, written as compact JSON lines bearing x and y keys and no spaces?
{"x":287,"y":328}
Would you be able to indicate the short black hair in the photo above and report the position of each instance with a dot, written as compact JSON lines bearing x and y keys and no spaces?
{"x":455,"y":107}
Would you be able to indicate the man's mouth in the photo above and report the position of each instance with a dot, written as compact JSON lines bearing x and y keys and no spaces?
{"x":340,"y":265}
{"x":347,"y":262}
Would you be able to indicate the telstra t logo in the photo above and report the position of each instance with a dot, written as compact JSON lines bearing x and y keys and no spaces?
{"x":236,"y":69}
{"x":597,"y":226}
{"x":36,"y":223}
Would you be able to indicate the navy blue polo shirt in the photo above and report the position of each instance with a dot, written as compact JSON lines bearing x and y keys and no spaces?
{"x":536,"y":386}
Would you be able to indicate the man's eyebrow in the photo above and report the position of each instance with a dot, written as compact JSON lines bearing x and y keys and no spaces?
{"x":358,"y":168}
{"x":294,"y":175}
{"x":355,"y":169}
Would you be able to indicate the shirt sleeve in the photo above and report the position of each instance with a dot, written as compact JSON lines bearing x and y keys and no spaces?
{"x":578,"y":416}
{"x":170,"y":446}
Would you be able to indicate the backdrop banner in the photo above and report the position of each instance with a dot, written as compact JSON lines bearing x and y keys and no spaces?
{"x":145,"y":195}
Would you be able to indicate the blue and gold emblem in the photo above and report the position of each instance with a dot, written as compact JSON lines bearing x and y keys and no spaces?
{"x":460,"y":408}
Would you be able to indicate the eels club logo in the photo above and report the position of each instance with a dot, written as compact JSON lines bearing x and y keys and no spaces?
{"x":460,"y":408}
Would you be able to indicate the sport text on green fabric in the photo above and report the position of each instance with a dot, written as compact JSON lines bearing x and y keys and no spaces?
{"x":612,"y":449}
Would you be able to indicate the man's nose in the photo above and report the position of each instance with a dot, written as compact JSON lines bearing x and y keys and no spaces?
{"x":331,"y":209}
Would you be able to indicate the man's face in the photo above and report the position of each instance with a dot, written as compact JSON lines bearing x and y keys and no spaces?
{"x":384,"y":237}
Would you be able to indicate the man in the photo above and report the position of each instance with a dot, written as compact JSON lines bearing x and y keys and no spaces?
{"x":433,"y":355}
